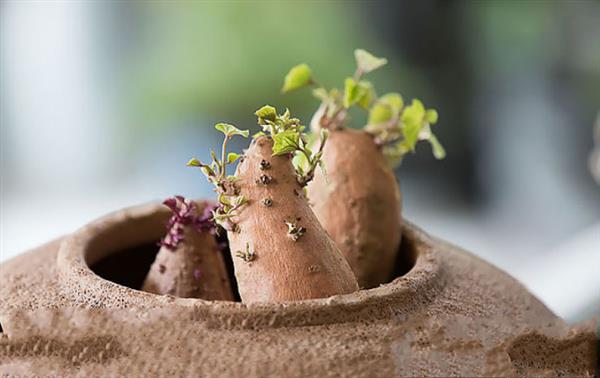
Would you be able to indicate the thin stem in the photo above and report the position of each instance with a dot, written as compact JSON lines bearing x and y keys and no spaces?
{"x":223,"y":157}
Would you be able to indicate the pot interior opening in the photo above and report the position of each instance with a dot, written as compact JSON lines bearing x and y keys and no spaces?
{"x":405,"y":259}
{"x":129,"y":267}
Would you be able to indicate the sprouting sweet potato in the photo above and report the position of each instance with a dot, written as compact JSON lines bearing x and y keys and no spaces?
{"x":189,"y":263}
{"x":281,"y":252}
{"x":359,"y":204}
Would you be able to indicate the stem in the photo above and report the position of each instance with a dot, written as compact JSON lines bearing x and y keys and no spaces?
{"x":357,"y":74}
{"x":223,"y":157}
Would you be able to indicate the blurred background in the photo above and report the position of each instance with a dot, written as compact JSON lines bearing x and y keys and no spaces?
{"x":103,"y":102}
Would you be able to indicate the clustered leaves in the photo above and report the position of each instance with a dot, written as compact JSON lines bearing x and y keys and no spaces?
{"x":184,"y":214}
{"x":289,"y":138}
{"x":230,"y":201}
{"x":397,"y":128}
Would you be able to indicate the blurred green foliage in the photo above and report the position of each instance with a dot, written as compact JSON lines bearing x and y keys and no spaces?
{"x":223,"y":60}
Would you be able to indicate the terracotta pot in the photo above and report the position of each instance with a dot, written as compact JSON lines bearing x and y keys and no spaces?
{"x":70,"y":307}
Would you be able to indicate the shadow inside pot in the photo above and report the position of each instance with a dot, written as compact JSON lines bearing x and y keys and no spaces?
{"x":129,"y":267}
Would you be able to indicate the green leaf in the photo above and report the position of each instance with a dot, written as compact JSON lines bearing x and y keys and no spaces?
{"x":258,"y":134}
{"x":379,"y":113}
{"x":366,"y":94}
{"x":285,"y":142}
{"x":367,"y":62}
{"x":232,"y":157}
{"x":194,"y":163}
{"x":432,"y":116}
{"x":394,"y":100}
{"x":267,"y":112}
{"x":412,"y":123}
{"x":298,"y":77}
{"x":438,"y":150}
{"x":414,"y":114}
{"x":230,"y":130}
{"x":351,"y":92}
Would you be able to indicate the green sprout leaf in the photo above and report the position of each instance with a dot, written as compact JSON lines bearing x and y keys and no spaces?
{"x":367,"y":62}
{"x":432,"y":116}
{"x":380,"y":113}
{"x":285,"y":142}
{"x":366,"y":94}
{"x":411,"y":135}
{"x":194,"y":163}
{"x":298,"y":77}
{"x":394,"y":101}
{"x":230,"y":130}
{"x":232,"y":157}
{"x":414,"y":114}
{"x":267,"y":112}
{"x":351,"y":92}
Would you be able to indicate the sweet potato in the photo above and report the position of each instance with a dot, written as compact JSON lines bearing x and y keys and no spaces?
{"x":359,"y":203}
{"x":281,"y":252}
{"x":189,"y":263}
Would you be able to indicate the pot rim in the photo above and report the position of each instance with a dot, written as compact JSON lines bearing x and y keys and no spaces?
{"x":116,"y":231}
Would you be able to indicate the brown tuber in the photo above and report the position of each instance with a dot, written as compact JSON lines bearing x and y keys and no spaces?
{"x":189,"y":263}
{"x":359,"y":204}
{"x":292,"y":257}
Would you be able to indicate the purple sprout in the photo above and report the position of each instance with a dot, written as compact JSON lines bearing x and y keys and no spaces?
{"x":185,"y":214}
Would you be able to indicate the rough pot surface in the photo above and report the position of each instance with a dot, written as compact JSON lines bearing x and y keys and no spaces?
{"x":450,"y":314}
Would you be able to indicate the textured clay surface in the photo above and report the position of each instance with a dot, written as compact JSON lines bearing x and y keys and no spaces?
{"x":447,"y":314}
{"x":359,"y":204}
{"x":283,"y":269}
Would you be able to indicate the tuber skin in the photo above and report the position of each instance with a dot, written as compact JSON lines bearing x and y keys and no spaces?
{"x":359,"y":204}
{"x":281,"y":252}
{"x":192,"y":267}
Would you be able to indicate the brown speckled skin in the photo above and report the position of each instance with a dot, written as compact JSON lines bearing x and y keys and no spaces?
{"x":284,"y":269}
{"x":359,"y":204}
{"x":452,"y":314}
{"x":174,"y":271}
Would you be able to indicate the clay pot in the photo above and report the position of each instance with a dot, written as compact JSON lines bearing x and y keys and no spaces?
{"x":71,"y":307}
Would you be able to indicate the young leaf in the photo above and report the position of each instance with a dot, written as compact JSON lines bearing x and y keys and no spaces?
{"x":366,"y":94}
{"x":367,"y":62}
{"x":411,"y":135}
{"x":285,"y":142}
{"x":379,"y":113}
{"x":194,"y":163}
{"x":298,"y":77}
{"x":351,"y":92}
{"x":232,"y":157}
{"x":414,"y":114}
{"x":230,"y":130}
{"x":267,"y":112}
{"x":394,"y":100}
{"x":432,"y":116}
